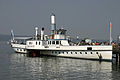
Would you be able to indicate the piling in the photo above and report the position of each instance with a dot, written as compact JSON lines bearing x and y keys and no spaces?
{"x":116,"y":51}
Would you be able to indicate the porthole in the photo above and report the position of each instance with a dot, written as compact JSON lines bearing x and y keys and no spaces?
{"x":75,"y":52}
{"x":56,"y":52}
{"x":96,"y":52}
{"x":80,"y":52}
{"x":71,"y":52}
{"x":91,"y":53}
{"x":59,"y":52}
{"x":85,"y":52}
{"x":67,"y":52}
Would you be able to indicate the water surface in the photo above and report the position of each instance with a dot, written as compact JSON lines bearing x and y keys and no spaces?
{"x":15,"y":66}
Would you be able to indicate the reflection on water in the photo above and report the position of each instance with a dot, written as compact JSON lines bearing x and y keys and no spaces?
{"x":55,"y":68}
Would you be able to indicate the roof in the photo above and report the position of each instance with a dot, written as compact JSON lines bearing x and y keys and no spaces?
{"x":24,"y":38}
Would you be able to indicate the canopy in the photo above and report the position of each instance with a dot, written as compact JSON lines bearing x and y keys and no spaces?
{"x":24,"y":38}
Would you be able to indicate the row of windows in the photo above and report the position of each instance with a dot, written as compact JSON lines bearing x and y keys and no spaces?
{"x":54,"y":42}
{"x":56,"y":52}
{"x":37,"y":43}
{"x":20,"y":49}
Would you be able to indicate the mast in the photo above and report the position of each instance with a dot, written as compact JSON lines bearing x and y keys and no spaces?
{"x":36,"y":32}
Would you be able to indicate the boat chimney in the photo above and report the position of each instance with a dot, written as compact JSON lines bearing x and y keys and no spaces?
{"x":36,"y":32}
{"x":42,"y":34}
{"x":53,"y":24}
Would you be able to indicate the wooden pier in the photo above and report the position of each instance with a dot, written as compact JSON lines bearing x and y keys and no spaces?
{"x":116,"y":52}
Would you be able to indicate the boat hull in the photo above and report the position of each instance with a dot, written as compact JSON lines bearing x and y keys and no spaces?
{"x":19,"y":48}
{"x":93,"y":55}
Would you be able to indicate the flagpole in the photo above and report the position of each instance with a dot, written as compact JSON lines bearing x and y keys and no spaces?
{"x":110,"y":24}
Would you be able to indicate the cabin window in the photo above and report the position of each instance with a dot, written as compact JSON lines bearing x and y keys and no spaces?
{"x":39,"y":43}
{"x":75,"y":52}
{"x":71,"y":52}
{"x":53,"y":42}
{"x":60,"y":42}
{"x":91,"y":52}
{"x":30,"y":42}
{"x":50,"y":42}
{"x":57,"y":32}
{"x":36,"y":43}
{"x":89,"y":48}
{"x":85,"y":52}
{"x":57,"y":42}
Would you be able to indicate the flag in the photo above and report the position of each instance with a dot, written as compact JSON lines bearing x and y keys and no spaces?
{"x":110,"y":25}
{"x":12,"y":34}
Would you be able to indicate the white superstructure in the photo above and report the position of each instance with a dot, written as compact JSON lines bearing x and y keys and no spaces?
{"x":58,"y":44}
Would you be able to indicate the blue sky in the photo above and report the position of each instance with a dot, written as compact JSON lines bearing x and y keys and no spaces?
{"x":83,"y":18}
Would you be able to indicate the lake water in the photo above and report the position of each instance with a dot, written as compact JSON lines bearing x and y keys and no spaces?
{"x":16,"y":66}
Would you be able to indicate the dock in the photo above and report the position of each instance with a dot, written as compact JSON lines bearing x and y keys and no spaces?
{"x":116,"y":52}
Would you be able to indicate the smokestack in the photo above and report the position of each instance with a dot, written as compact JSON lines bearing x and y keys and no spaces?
{"x":42,"y":34}
{"x":53,"y":24}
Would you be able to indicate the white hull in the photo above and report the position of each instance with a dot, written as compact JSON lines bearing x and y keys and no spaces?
{"x":106,"y":55}
{"x":69,"y":51}
{"x":97,"y":52}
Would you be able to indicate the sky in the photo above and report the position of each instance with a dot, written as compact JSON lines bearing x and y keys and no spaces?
{"x":83,"y":18}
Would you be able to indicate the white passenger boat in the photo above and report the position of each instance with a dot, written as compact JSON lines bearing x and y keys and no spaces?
{"x":58,"y":44}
